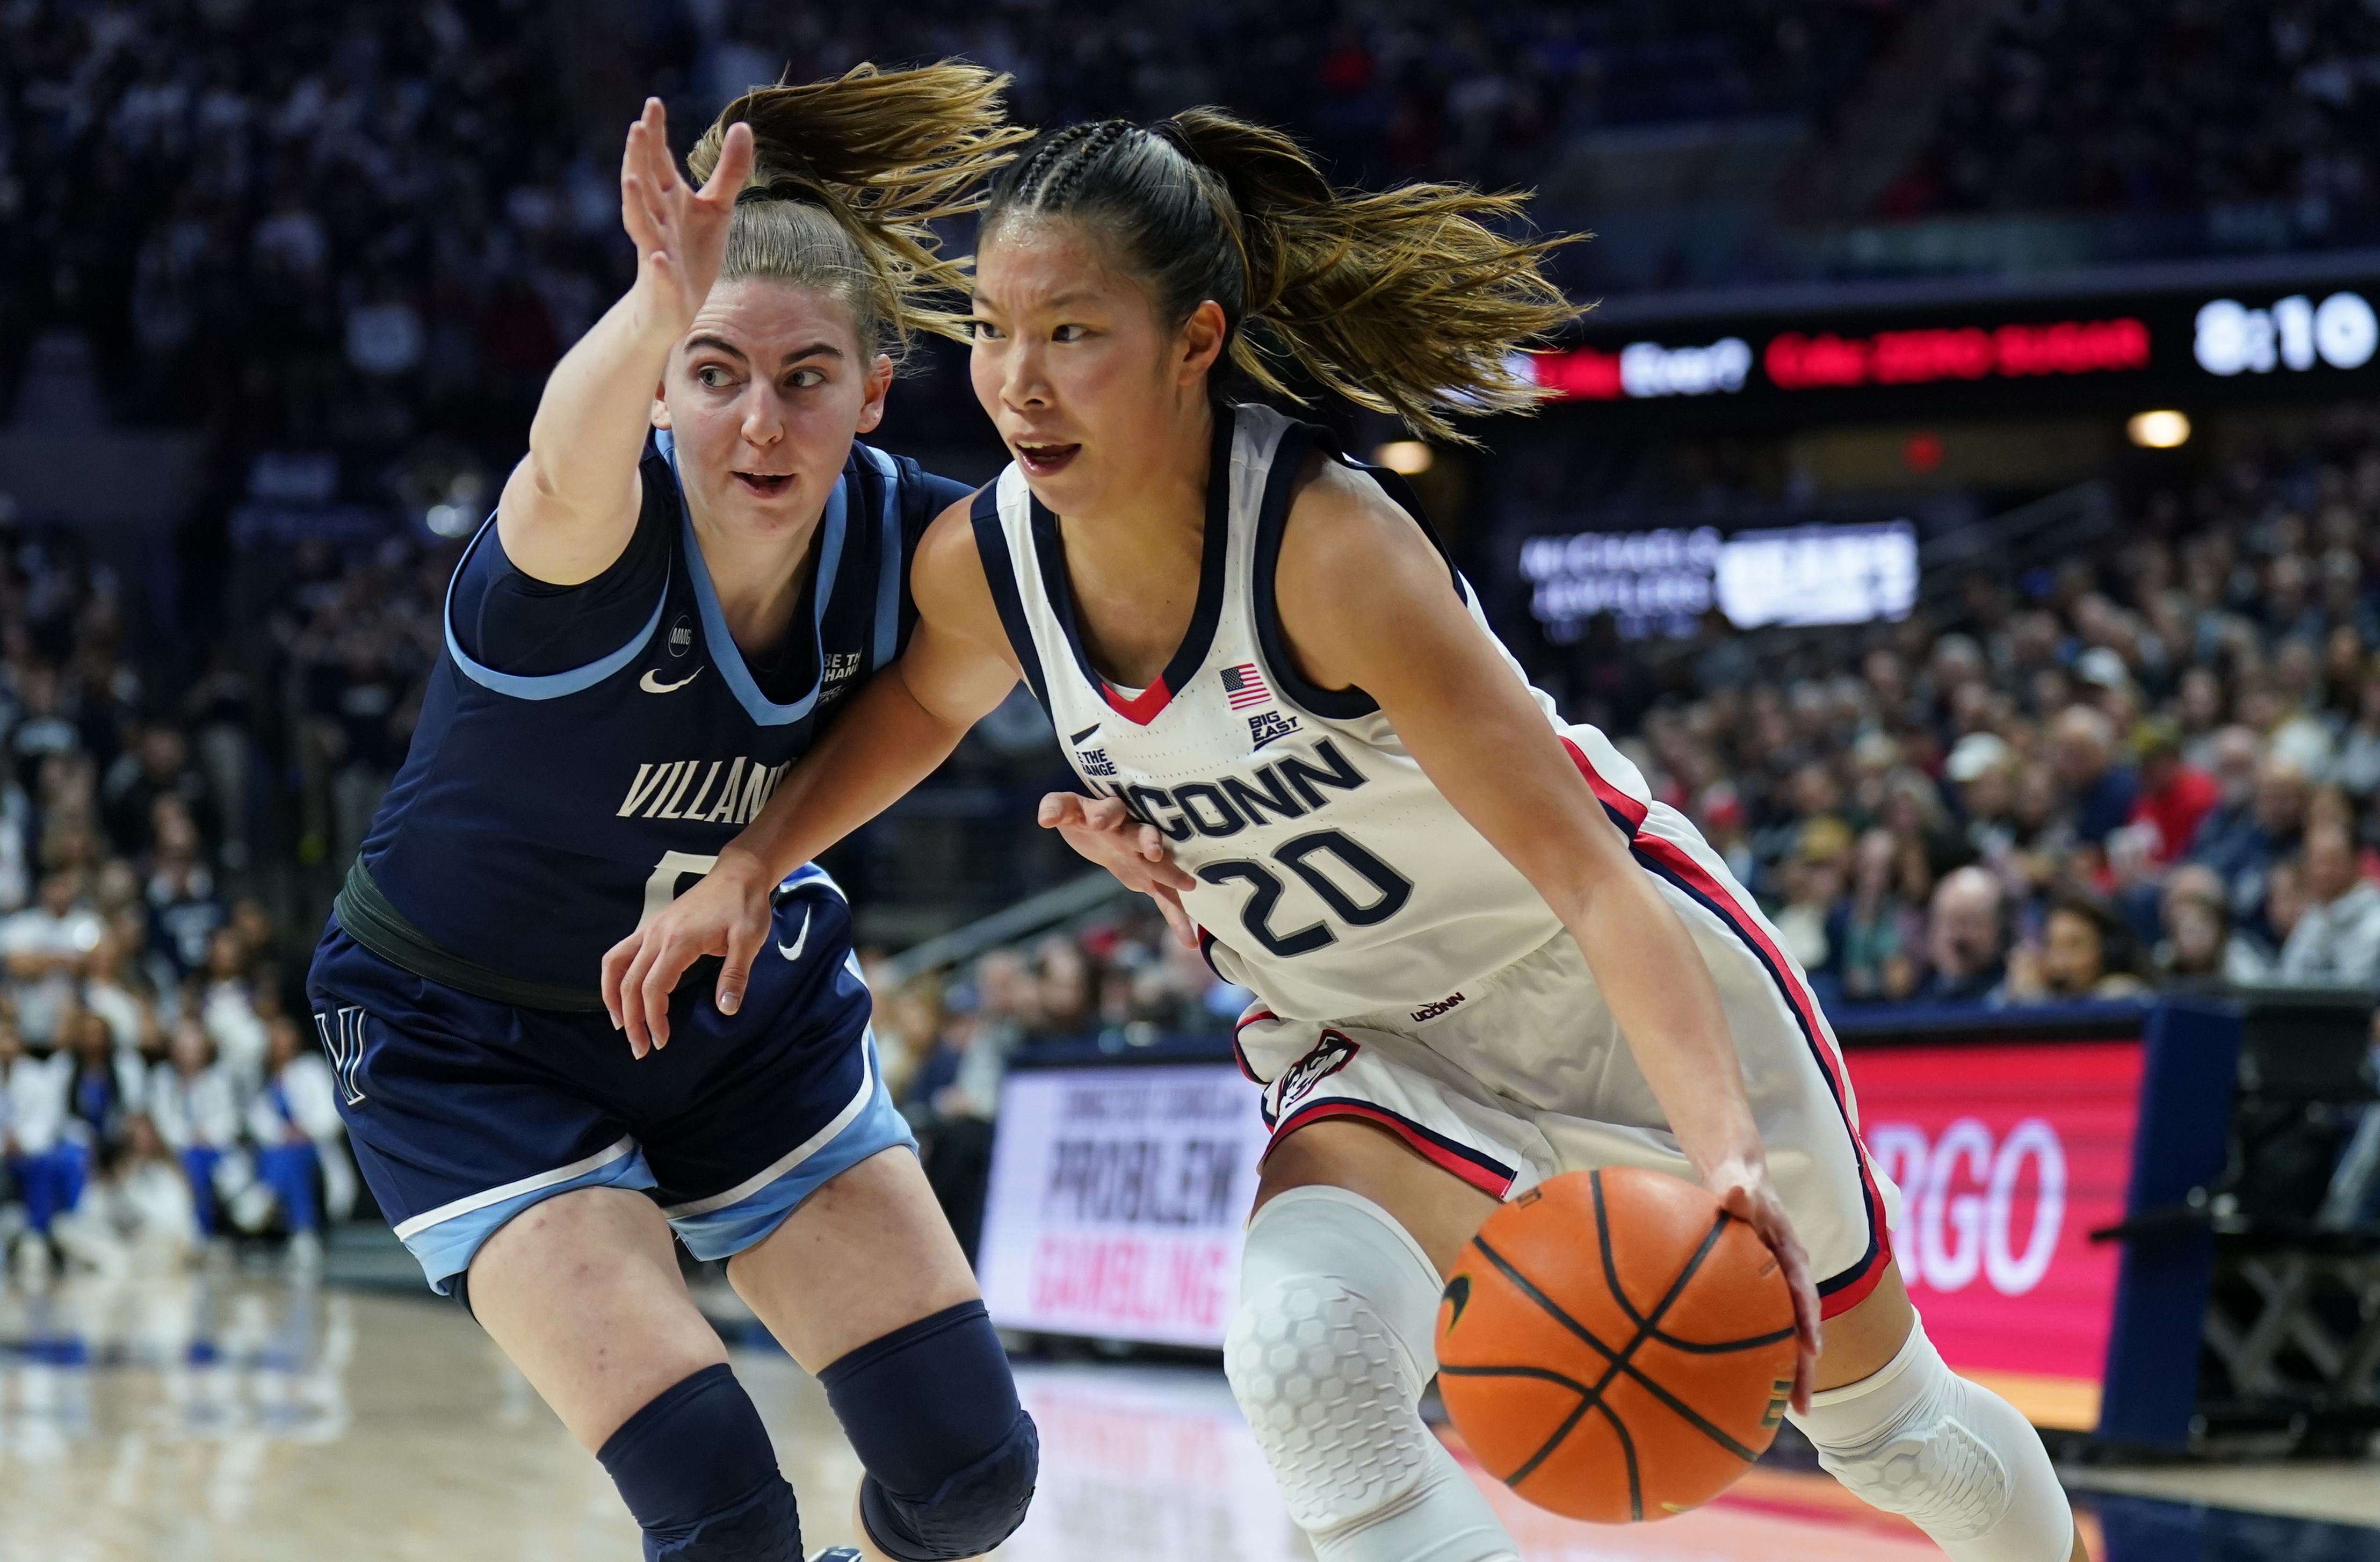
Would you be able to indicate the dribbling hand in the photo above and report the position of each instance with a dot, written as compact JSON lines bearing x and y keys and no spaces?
{"x":725,"y":914}
{"x":680,"y":232}
{"x":1746,"y":1192}
{"x":1104,"y":833}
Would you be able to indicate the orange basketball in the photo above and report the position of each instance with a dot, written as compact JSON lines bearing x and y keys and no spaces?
{"x":1615,"y":1346}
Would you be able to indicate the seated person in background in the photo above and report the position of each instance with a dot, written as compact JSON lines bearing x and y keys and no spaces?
{"x":1875,"y":932}
{"x":2337,"y":939}
{"x":196,"y":1112}
{"x":101,"y":1086}
{"x":293,"y":1121}
{"x":45,"y":947}
{"x":32,"y":1120}
{"x":2084,"y":953}
{"x":2199,"y":944}
{"x":137,"y":1215}
{"x":1967,"y":938}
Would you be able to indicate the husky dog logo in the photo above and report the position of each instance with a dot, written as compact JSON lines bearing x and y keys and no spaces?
{"x":1331,"y":1054}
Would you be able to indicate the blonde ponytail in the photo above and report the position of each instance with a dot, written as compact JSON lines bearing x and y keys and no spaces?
{"x":849,"y":177}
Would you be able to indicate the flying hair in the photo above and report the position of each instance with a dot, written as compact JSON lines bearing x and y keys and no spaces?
{"x":1410,"y":301}
{"x":849,"y":177}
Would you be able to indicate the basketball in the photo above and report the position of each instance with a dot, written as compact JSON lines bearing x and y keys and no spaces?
{"x":1615,"y":1346}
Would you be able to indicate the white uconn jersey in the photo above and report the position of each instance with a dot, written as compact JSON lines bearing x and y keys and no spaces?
{"x":1335,"y":878}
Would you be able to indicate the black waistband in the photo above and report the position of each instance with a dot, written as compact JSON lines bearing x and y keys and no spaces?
{"x":371,"y":920}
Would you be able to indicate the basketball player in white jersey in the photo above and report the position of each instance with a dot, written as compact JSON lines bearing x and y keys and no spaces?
{"x":1483,"y":954}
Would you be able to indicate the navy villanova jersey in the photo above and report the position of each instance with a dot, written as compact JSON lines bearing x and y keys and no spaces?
{"x":545,"y":809}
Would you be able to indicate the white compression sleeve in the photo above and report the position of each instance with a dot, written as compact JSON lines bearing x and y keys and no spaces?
{"x":1950,"y":1455}
{"x":1329,"y":1354}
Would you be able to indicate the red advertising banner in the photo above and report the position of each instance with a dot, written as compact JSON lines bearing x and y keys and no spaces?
{"x":2007,"y":1156}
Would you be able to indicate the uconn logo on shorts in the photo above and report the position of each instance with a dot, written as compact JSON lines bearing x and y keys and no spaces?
{"x":1333,"y":1053}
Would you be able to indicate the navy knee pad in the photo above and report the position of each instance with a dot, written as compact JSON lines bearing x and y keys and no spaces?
{"x":951,"y":1456}
{"x":697,"y":1468}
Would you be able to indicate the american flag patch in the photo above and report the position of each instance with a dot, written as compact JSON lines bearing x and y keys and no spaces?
{"x":1245,"y":686}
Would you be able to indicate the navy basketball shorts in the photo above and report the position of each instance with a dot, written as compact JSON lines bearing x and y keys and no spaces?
{"x":464,"y":1112}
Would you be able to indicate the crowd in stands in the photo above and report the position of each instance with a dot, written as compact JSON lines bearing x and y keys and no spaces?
{"x":156,"y":1092}
{"x":2140,"y":107}
{"x":2154,"y":764}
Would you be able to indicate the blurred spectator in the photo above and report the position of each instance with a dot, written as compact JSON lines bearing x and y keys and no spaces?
{"x":2173,"y":797}
{"x":293,"y":1121}
{"x":1968,"y":935}
{"x":195,"y":1108}
{"x":2084,"y":953}
{"x":2198,"y":945}
{"x":1878,"y":932}
{"x":46,"y":945}
{"x":2337,"y":939}
{"x":137,"y":1215}
{"x":2083,"y":752}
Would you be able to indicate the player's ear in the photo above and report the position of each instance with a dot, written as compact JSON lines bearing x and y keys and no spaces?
{"x":1200,"y":341}
{"x":661,"y":416}
{"x":878,"y":385}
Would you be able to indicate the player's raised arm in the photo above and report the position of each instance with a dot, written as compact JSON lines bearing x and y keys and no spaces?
{"x":571,"y":505}
{"x":900,"y":727}
{"x":1470,"y":722}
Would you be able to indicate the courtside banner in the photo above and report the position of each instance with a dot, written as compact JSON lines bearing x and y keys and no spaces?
{"x":2007,"y":1156}
{"x":1117,"y":1200}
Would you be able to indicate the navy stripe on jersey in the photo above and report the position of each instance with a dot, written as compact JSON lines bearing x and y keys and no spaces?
{"x":1213,"y":567}
{"x":1272,"y":524}
{"x":1000,"y":575}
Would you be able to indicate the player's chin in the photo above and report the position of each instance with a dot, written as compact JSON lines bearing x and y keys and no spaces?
{"x":1061,"y":476}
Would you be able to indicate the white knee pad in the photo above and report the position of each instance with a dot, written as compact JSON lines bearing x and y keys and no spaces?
{"x":1954,"y":1459}
{"x":1328,"y":1356}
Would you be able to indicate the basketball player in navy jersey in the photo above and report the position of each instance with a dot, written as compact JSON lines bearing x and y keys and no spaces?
{"x":685,"y":580}
{"x":1483,"y":953}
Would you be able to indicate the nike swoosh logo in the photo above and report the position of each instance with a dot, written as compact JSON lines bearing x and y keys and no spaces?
{"x":650,"y":683}
{"x":1086,"y":732}
{"x":793,"y":950}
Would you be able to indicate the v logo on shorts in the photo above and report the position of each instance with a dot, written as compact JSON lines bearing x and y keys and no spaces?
{"x":650,"y":683}
{"x":793,"y":950}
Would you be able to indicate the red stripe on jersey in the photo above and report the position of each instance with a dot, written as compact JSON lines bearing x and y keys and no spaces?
{"x":1852,"y":1287}
{"x":1485,"y":1175}
{"x":1853,"y":1283}
{"x":1610,"y":796}
{"x":1143,"y":710}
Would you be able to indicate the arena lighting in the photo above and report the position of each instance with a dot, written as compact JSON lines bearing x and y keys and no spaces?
{"x":2158,"y":430}
{"x":1412,"y":458}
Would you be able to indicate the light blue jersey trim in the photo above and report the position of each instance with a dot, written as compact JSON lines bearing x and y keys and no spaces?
{"x":888,"y":577}
{"x":726,"y":1224}
{"x":445,"y":1241}
{"x":725,"y":652}
{"x":549,"y":685}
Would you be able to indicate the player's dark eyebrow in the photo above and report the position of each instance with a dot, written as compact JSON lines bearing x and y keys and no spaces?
{"x":717,"y":344}
{"x":816,"y":349}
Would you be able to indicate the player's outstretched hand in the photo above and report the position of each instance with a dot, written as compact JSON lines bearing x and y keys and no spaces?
{"x":1102,"y":831}
{"x":725,"y":914}
{"x":680,"y":232}
{"x":1745,"y":1193}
